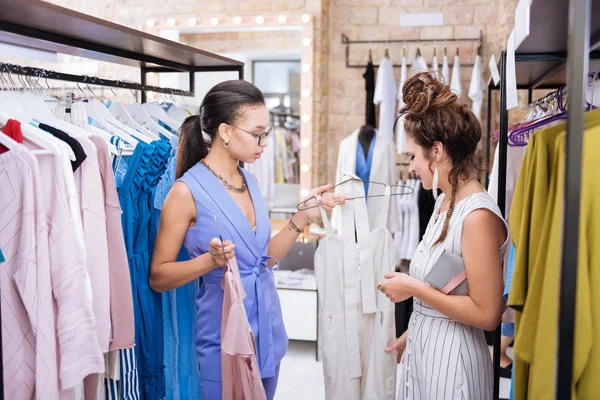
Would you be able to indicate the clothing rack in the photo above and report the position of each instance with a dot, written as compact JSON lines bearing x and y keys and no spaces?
{"x":547,"y":59}
{"x":11,"y":69}
{"x":43,"y":26}
{"x":348,"y":42}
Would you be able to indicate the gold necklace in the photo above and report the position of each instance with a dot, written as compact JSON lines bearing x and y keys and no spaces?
{"x":228,"y":185}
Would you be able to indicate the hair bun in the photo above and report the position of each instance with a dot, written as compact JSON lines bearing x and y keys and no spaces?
{"x":424,"y":92}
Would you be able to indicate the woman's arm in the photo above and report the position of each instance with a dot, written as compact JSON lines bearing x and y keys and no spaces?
{"x":483,"y":235}
{"x":177,"y":215}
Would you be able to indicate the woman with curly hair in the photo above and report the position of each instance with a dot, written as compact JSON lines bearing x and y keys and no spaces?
{"x":443,"y":354}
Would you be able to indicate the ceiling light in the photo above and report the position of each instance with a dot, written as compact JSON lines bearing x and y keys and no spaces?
{"x":306,"y":67}
{"x":306,"y":117}
{"x":150,"y":23}
{"x":260,"y":19}
{"x":192,"y":21}
{"x":306,"y":18}
{"x":304,"y":192}
{"x":306,"y":42}
{"x":214,"y":21}
{"x":237,"y":20}
{"x":305,"y":142}
{"x":305,"y":167}
{"x":171,"y":22}
{"x":282,"y":19}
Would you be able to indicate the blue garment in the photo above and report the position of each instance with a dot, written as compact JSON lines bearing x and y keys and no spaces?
{"x":363,"y":166}
{"x":261,"y":303}
{"x":2,"y":259}
{"x":136,"y":195}
{"x":509,"y":329}
{"x":179,"y":312}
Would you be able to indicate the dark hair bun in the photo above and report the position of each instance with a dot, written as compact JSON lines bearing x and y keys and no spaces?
{"x":424,"y":92}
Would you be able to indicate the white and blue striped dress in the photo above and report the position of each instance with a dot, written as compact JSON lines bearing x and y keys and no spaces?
{"x":445,"y":359}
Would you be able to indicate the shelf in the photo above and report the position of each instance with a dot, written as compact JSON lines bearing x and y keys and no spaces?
{"x":40,"y":25}
{"x":542,"y":56}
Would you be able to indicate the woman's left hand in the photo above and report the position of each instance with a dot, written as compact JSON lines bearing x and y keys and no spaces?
{"x":327,"y":200}
{"x":398,"y":286}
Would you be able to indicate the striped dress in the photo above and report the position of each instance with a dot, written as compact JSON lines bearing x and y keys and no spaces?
{"x":445,"y":359}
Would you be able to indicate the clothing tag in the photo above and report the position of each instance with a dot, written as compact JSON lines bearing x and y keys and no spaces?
{"x":494,"y":70}
{"x":511,"y":73}
{"x":69,"y":99}
{"x":521,"y":22}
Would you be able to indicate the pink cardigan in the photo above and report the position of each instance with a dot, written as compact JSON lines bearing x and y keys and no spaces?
{"x":121,"y":301}
{"x":29,"y":333}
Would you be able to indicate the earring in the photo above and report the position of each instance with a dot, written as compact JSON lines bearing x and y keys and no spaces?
{"x":435,"y":182}
{"x":226,"y":144}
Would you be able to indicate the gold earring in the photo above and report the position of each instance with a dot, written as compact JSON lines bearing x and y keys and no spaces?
{"x":226,"y":144}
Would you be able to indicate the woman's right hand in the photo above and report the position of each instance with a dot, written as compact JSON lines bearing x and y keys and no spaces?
{"x":219,"y":258}
{"x":399,"y":344}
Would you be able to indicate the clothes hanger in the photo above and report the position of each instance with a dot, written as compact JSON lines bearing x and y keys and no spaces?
{"x":418,"y":52}
{"x":370,"y":56}
{"x":352,"y":179}
{"x":139,"y":113}
{"x":120,"y":113}
{"x":157,"y":112}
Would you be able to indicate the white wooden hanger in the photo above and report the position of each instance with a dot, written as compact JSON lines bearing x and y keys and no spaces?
{"x":93,"y":113}
{"x":120,"y":113}
{"x":109,"y":118}
{"x":139,"y":113}
{"x":157,"y":112}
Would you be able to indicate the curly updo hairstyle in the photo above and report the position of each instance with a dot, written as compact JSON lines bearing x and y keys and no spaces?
{"x":434,"y":114}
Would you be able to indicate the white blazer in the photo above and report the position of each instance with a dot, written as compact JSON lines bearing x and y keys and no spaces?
{"x":383,"y":169}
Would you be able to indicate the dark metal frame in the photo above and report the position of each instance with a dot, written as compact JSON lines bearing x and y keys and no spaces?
{"x":577,"y":60}
{"x":348,"y":42}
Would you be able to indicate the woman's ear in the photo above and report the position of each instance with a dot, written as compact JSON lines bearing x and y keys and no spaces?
{"x":437,"y":151}
{"x":223,"y":132}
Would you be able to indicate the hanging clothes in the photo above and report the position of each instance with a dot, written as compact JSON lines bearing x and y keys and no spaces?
{"x":369,"y":77}
{"x":29,"y":360}
{"x":434,"y":64}
{"x":261,"y":303}
{"x":418,"y":65}
{"x":264,"y":171}
{"x":363,"y":165}
{"x":407,"y":237}
{"x":462,"y":366}
{"x":383,"y":170}
{"x":359,"y":320}
{"x":13,"y":131}
{"x":80,"y":154}
{"x":136,"y":195}
{"x":456,"y":81}
{"x":476,"y":88}
{"x":385,"y":96}
{"x":400,"y":133}
{"x":536,"y":219}
{"x":445,"y":70}
{"x":239,"y":368}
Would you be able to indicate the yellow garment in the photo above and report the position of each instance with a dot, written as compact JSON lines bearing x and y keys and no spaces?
{"x":536,"y":225}
{"x":279,"y":165}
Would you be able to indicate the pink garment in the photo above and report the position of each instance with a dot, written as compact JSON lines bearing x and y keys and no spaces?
{"x":28,"y":330}
{"x":78,"y":349}
{"x":121,"y":301}
{"x":239,"y":368}
{"x":91,"y":196}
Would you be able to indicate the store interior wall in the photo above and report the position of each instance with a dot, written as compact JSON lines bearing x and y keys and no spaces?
{"x":338,"y":95}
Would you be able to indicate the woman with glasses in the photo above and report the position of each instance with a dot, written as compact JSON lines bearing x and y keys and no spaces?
{"x":210,"y":186}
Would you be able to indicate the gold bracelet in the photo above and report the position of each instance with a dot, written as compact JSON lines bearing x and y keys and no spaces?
{"x":294,"y":227}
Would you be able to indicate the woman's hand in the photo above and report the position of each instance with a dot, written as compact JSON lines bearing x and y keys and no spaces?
{"x":326,"y":200}
{"x":398,"y":286}
{"x":399,"y":344}
{"x":219,"y":258}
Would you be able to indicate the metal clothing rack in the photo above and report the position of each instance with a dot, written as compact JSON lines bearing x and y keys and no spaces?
{"x":43,"y":26}
{"x":547,"y":59}
{"x":348,"y":42}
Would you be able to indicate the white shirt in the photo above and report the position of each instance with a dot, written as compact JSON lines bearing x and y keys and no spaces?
{"x":385,"y":96}
{"x":456,"y":82}
{"x":400,"y":133}
{"x":476,"y":88}
{"x":446,"y":70}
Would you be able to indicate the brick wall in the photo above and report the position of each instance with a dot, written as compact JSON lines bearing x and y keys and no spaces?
{"x":338,"y":96}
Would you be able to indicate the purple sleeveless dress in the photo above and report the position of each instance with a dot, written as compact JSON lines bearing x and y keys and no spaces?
{"x":261,"y":303}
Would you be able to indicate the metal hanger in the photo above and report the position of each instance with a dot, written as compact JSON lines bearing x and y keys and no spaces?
{"x":418,"y":52}
{"x":410,"y":191}
{"x":370,"y":56}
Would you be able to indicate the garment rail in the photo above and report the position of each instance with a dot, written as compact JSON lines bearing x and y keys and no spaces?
{"x":12,"y":69}
{"x":434,"y":42}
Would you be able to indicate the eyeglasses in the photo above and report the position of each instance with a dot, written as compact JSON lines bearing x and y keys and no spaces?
{"x":261,"y":137}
